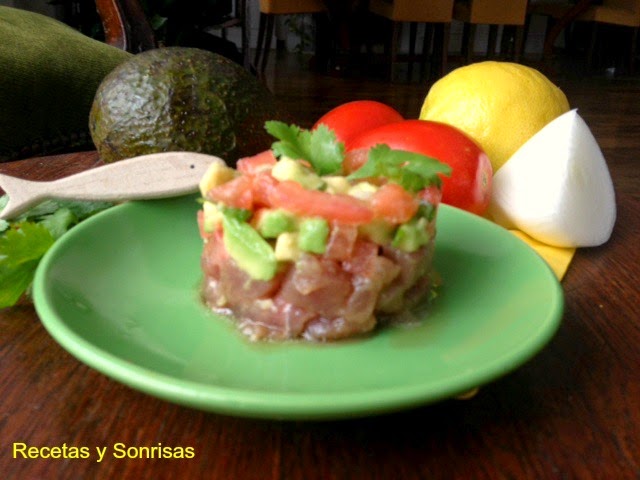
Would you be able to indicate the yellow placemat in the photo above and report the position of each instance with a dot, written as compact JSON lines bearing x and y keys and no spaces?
{"x":558,"y":258}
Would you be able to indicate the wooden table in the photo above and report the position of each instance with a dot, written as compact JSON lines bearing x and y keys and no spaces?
{"x":571,"y":412}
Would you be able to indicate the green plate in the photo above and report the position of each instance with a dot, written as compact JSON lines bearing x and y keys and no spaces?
{"x":120,"y":293}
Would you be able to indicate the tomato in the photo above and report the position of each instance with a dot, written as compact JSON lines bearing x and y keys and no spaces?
{"x":234,"y":193}
{"x":353,"y":118}
{"x":468,"y":187}
{"x":394,"y":204}
{"x":294,"y":198}
{"x":261,"y":185}
{"x":257,"y":163}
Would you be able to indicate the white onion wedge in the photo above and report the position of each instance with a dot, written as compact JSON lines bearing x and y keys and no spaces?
{"x":557,"y":188}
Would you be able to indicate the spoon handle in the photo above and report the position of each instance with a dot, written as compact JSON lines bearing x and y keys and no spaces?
{"x":156,"y":175}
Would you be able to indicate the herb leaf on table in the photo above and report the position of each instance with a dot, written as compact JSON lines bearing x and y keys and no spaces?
{"x":25,"y":240}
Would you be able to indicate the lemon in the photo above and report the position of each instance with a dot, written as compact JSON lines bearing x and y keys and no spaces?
{"x":499,"y":104}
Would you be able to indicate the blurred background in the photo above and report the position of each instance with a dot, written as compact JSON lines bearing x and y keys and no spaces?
{"x":181,"y":21}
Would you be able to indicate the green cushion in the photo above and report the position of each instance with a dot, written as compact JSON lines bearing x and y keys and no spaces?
{"x":49,"y":74}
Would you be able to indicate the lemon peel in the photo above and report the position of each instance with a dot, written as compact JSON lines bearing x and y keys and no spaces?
{"x":499,"y":104}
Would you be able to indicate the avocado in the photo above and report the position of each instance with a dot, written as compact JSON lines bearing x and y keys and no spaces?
{"x":378,"y":231}
{"x":273,"y":222}
{"x":363,"y":190}
{"x":289,"y":169}
{"x":217,"y":174}
{"x":286,"y":249}
{"x":181,"y":99}
{"x":212,"y":216}
{"x":313,"y":235}
{"x":411,"y":236}
{"x":251,"y":252}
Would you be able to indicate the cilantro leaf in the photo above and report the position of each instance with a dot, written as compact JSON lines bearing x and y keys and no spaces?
{"x":59,"y":222}
{"x":412,"y":171}
{"x":319,"y":147}
{"x":80,"y":209}
{"x":25,"y":240}
{"x":4,"y":199}
{"x":21,"y":248}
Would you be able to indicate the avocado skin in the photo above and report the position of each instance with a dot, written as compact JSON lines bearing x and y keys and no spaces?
{"x":181,"y":99}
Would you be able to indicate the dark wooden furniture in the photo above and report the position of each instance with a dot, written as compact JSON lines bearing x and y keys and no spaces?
{"x":571,"y":412}
{"x":436,"y":15}
{"x":125,"y":25}
{"x":269,"y":10}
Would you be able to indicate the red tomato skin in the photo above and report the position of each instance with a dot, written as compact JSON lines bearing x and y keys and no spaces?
{"x":469,"y":185}
{"x":353,"y":118}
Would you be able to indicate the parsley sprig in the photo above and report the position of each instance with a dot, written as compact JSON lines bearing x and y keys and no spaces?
{"x":25,"y":240}
{"x":319,"y":147}
{"x":413,"y":171}
{"x":325,"y":154}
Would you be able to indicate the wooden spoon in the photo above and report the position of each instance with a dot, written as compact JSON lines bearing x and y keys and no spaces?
{"x":157,"y":175}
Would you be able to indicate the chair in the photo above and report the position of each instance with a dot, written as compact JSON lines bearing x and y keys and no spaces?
{"x":616,"y":13}
{"x":493,"y":13}
{"x":268,"y":11}
{"x":237,"y":20}
{"x":553,"y":13}
{"x":125,"y":25}
{"x":436,"y":14}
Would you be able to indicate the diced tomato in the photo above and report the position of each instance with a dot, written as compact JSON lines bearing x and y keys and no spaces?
{"x":394,"y":204}
{"x":468,"y":187}
{"x":257,"y":163}
{"x":293,"y":197}
{"x":234,"y":193}
{"x":261,"y":186}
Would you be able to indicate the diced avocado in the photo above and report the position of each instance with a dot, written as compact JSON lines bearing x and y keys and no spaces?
{"x":411,"y":236}
{"x":252,"y":253}
{"x":336,"y":184}
{"x":240,"y":214}
{"x":289,"y":169}
{"x":313,"y":234}
{"x":212,"y":216}
{"x":378,"y":231}
{"x":427,"y":210}
{"x":363,"y":190}
{"x":286,"y":249}
{"x":217,"y":174}
{"x":273,"y":222}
